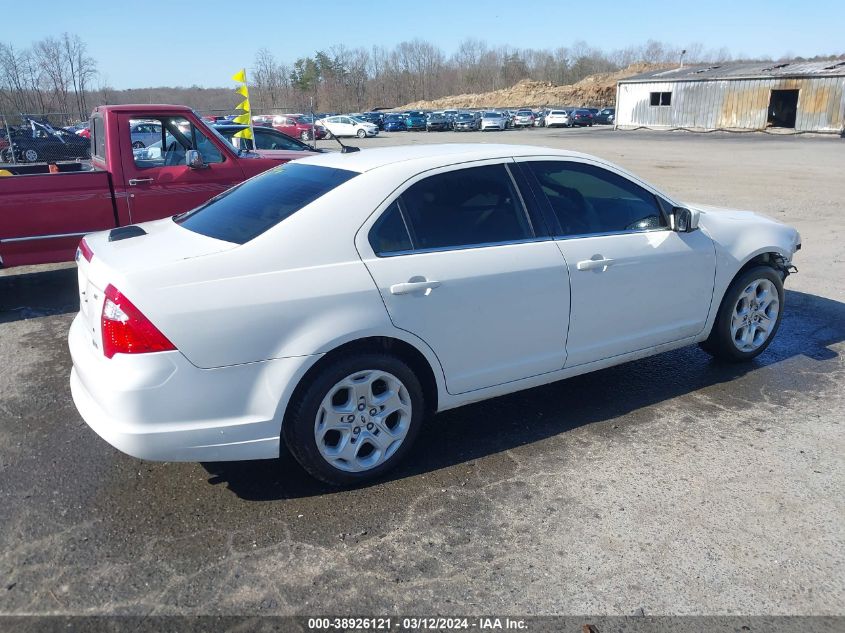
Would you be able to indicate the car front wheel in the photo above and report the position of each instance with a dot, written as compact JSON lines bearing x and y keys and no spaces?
{"x":356,"y":419}
{"x":749,"y":316}
{"x":362,"y":133}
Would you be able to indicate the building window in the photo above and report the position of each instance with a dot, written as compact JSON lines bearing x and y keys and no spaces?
{"x":661,"y":98}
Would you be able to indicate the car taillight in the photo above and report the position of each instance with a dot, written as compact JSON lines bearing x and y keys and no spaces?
{"x":84,"y":250}
{"x":126,"y":330}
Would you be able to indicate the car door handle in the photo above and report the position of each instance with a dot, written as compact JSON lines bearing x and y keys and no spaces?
{"x":413,"y":286}
{"x":593,"y":264}
{"x":139,"y":181}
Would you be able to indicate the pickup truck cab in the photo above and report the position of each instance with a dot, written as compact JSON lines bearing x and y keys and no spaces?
{"x":43,"y":215}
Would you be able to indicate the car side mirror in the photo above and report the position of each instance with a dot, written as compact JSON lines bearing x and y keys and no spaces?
{"x":684,"y":220}
{"x":194,"y":160}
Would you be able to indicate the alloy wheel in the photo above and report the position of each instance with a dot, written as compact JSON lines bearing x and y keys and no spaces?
{"x":363,"y":420}
{"x":754,"y":315}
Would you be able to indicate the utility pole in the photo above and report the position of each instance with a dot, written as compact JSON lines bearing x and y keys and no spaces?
{"x":683,"y":52}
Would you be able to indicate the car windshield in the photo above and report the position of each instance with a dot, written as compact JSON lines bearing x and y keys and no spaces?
{"x":251,"y":208}
{"x":465,"y":117}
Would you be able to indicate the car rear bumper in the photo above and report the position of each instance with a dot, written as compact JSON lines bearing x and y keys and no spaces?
{"x":160,"y":407}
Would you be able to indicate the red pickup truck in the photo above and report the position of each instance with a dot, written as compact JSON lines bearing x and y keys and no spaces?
{"x":45,"y":209}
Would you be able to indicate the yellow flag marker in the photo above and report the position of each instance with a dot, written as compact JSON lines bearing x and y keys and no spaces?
{"x":240,"y":76}
{"x":242,"y":119}
{"x":245,"y":133}
{"x":243,"y":91}
{"x":243,"y":105}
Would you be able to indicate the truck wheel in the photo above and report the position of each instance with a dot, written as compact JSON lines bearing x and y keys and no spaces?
{"x":749,"y":316}
{"x":138,"y":145}
{"x":361,"y":134}
{"x":356,"y":419}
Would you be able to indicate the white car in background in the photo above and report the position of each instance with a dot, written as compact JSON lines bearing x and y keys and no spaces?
{"x":144,"y":133}
{"x":558,"y":117}
{"x":345,"y":125}
{"x":493,"y":121}
{"x":336,"y":302}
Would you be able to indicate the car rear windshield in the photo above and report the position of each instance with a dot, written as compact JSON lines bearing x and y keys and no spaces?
{"x":246,"y":211}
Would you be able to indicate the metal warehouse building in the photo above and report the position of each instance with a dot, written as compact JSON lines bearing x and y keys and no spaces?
{"x":804,"y":96}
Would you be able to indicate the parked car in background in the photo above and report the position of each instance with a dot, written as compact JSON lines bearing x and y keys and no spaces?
{"x":523,"y":118}
{"x":437,"y":123}
{"x":581,"y":118}
{"x":451,"y":115}
{"x":39,"y":142}
{"x":558,"y":118}
{"x":395,"y":123}
{"x":296,"y":126}
{"x":606,"y":116}
{"x":465,"y":122}
{"x":144,"y":133}
{"x":415,"y":120}
{"x":493,"y":121}
{"x":344,"y":125}
{"x":222,"y":333}
{"x":269,"y":142}
{"x":540,"y":118}
{"x":376,"y":118}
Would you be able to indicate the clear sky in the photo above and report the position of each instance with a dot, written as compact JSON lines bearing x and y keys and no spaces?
{"x":155,"y":43}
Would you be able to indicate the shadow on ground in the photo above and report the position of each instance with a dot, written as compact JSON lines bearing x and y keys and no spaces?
{"x":42,"y":293}
{"x":810,"y":327}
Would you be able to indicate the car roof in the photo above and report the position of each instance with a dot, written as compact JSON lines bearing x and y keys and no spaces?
{"x":423,"y":157}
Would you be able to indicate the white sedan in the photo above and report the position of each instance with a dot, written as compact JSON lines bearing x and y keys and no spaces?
{"x":558,"y":117}
{"x":349,"y":126}
{"x":336,"y":302}
{"x":493,"y":121}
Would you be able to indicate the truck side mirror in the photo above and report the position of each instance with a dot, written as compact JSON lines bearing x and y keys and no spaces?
{"x":194,"y":160}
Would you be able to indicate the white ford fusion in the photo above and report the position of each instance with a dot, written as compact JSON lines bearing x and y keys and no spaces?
{"x":336,"y":302}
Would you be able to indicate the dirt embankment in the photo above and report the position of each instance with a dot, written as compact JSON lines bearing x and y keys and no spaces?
{"x":596,"y":91}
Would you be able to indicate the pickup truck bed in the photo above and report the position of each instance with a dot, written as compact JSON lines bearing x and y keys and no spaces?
{"x":63,"y":206}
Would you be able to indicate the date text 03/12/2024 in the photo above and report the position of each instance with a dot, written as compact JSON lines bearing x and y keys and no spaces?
{"x":416,"y":623}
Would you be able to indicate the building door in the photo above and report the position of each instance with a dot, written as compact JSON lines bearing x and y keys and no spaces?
{"x":783,"y":106}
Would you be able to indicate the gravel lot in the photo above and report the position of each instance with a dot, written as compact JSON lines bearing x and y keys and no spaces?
{"x":671,"y":485}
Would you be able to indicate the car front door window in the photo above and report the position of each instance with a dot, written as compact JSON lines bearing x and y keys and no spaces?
{"x":586,"y":199}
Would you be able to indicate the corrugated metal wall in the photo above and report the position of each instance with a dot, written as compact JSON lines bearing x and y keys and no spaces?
{"x":732,"y":104}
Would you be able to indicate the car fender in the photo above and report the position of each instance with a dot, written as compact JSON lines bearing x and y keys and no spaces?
{"x":739,"y":237}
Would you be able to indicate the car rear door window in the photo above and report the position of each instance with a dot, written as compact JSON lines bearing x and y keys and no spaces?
{"x":586,"y":199}
{"x":253,"y":207}
{"x":466,"y":207}
{"x":389,"y":234}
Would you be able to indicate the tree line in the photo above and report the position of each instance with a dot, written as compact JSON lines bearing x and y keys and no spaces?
{"x":56,"y":75}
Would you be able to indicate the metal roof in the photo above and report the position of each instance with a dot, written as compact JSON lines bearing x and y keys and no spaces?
{"x":744,"y":70}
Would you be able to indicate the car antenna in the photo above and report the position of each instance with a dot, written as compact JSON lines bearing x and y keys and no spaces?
{"x":344,"y":149}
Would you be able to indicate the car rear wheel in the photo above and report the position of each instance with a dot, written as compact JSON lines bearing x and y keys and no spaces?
{"x":137,"y":145}
{"x":304,"y":136}
{"x":749,"y":316}
{"x":356,"y":419}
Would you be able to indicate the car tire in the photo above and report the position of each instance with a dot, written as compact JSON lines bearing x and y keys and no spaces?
{"x":30,"y":155}
{"x":6,"y":155}
{"x":138,"y":145}
{"x":304,"y":136}
{"x":305,"y":429}
{"x":361,"y":134}
{"x":752,"y":305}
